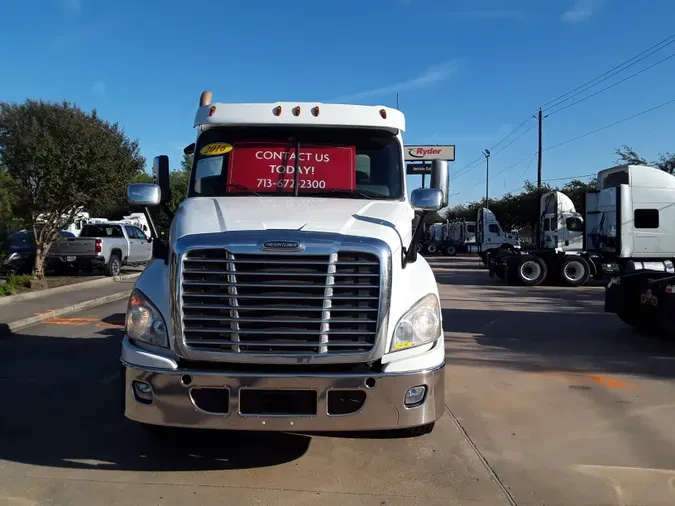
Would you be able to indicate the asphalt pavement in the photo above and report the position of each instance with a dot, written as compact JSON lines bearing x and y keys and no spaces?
{"x":549,"y":401}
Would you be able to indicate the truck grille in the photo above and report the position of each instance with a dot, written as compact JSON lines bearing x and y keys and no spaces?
{"x":280,"y":303}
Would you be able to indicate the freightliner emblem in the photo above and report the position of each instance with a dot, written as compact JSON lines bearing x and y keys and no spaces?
{"x":282,"y":246}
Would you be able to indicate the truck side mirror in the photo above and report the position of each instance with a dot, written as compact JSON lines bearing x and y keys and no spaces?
{"x":426,"y":199}
{"x":143,"y":194}
{"x":160,"y":175}
{"x":440,"y":179}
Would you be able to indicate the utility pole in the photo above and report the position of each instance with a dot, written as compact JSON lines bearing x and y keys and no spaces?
{"x":486,"y":154}
{"x":541,"y":141}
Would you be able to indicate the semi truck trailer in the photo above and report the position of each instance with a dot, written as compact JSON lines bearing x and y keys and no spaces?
{"x":289,"y":295}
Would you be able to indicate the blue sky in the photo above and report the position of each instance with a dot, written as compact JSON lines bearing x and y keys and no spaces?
{"x":468,"y":71}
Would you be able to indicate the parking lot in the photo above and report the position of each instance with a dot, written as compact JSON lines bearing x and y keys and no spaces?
{"x":549,"y":401}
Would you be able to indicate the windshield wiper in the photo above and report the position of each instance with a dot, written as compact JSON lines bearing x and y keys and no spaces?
{"x":352,"y":193}
{"x":241,"y":186}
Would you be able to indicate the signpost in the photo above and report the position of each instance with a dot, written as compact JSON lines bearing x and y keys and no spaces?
{"x":428,"y":153}
{"x":424,"y":155}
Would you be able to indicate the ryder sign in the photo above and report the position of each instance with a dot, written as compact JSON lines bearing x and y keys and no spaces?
{"x":413,"y":153}
{"x":270,"y":167}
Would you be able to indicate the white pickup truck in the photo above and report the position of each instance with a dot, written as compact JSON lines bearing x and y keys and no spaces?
{"x":106,"y":246}
{"x":290,"y":295}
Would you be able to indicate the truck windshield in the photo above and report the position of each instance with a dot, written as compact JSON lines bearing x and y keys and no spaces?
{"x":335,"y":162}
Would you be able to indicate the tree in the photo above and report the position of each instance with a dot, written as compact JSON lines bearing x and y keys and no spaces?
{"x":63,"y":159}
{"x":626,"y":155}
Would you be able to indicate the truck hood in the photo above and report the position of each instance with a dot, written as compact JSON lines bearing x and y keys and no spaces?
{"x":389,"y":220}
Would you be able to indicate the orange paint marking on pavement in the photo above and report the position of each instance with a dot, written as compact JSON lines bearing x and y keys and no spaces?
{"x":572,"y":377}
{"x":71,"y":321}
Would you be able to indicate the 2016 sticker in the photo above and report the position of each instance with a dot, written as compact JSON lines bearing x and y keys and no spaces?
{"x":216,"y":148}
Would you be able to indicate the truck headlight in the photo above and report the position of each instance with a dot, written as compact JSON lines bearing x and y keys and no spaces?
{"x":421,"y":325}
{"x":144,"y":322}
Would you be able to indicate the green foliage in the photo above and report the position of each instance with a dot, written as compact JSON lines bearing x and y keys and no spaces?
{"x":61,"y":159}
{"x":13,"y":284}
{"x":627,"y":155}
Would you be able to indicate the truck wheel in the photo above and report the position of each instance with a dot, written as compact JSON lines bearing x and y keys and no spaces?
{"x":114,"y":265}
{"x":450,"y":251}
{"x":416,"y":431}
{"x":531,"y":270}
{"x":431,"y":249}
{"x":575,"y":271}
{"x":419,"y":248}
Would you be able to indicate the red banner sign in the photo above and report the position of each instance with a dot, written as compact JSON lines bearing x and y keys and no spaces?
{"x":270,"y":167}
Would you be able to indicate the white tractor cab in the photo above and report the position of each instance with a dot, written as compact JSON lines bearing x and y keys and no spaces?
{"x":635,"y":222}
{"x":608,"y":242}
{"x":490,"y":237}
{"x":561,"y":225}
{"x":289,"y":295}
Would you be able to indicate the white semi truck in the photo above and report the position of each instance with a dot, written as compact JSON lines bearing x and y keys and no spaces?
{"x":451,"y":237}
{"x":490,"y":236}
{"x":607,"y":242}
{"x":289,"y":295}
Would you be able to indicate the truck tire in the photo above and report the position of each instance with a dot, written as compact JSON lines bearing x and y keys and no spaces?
{"x":419,"y":248}
{"x":431,"y":249}
{"x":531,"y":270}
{"x":114,"y":265}
{"x":450,"y":251}
{"x":416,"y":431}
{"x":575,"y":271}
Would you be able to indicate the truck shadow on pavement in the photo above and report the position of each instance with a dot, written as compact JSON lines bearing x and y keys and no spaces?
{"x":563,"y":335}
{"x":61,"y":408}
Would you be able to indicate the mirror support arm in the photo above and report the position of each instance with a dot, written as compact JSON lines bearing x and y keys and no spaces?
{"x":409,"y":255}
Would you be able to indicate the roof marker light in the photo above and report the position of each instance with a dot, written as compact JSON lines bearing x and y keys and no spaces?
{"x":296,"y":110}
{"x":212,"y":111}
{"x":383,"y":113}
{"x":277,"y":110}
{"x":315,"y":111}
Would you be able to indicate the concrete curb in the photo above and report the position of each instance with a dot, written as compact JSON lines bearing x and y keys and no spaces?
{"x":34,"y":320}
{"x":66,"y":288}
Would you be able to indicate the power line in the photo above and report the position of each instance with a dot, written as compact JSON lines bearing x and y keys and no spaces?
{"x":611,"y":85}
{"x":577,"y":138}
{"x":610,"y":125}
{"x":476,"y":162}
{"x":639,"y":57}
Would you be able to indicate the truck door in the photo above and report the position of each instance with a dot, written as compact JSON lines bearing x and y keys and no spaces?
{"x":145,"y":246}
{"x":135,"y":247}
{"x":573,"y":234}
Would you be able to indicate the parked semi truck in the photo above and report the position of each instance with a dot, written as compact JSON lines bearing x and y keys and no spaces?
{"x":603,"y":245}
{"x":637,"y":222}
{"x":490,"y":236}
{"x":289,"y":295}
{"x":451,"y":237}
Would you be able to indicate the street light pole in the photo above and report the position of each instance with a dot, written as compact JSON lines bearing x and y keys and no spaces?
{"x":486,"y":154}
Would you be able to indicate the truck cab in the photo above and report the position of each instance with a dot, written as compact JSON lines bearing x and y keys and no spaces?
{"x":562,"y":228}
{"x":490,"y":235}
{"x":289,"y":295}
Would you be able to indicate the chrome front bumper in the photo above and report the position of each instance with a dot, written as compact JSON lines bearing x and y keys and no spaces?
{"x":172,"y":403}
